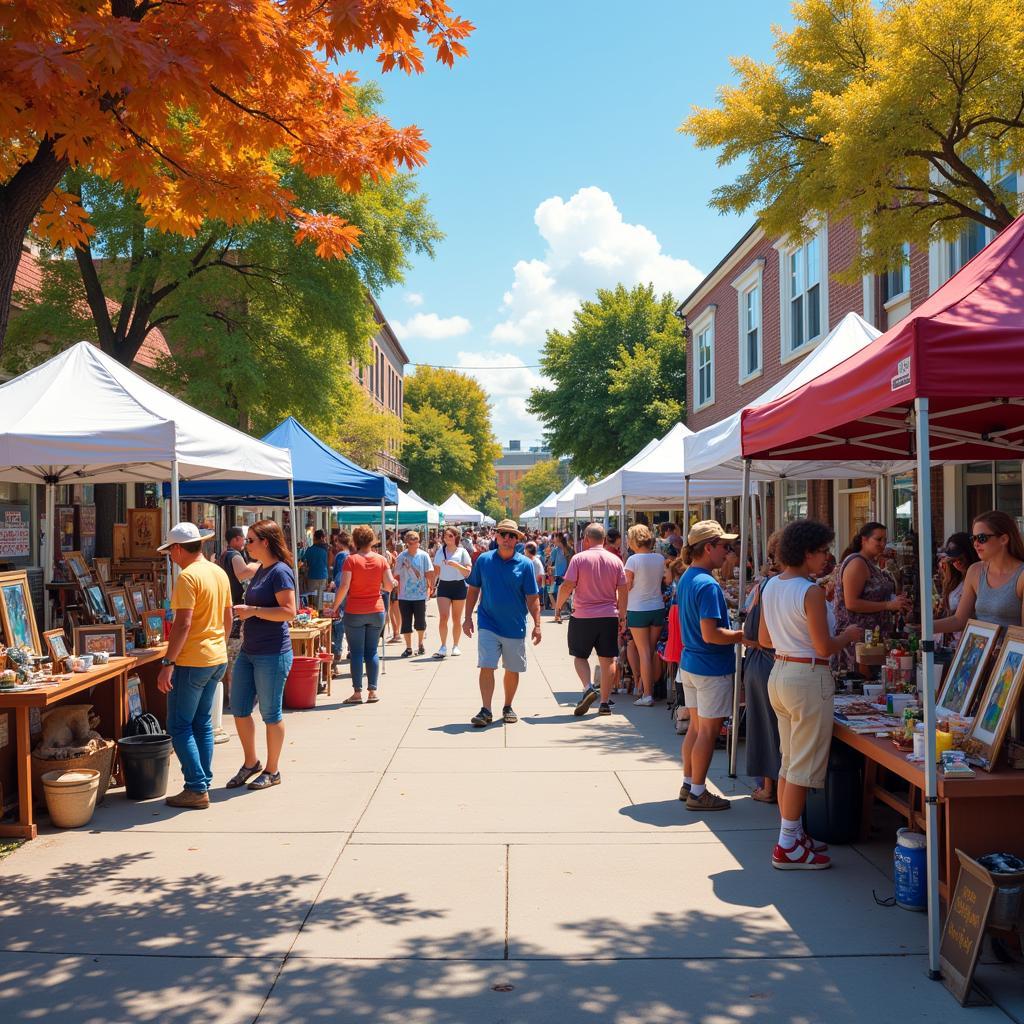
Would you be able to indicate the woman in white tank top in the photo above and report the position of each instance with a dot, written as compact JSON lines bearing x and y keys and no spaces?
{"x":797,"y":622}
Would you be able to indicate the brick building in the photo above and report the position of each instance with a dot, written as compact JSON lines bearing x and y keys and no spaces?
{"x":765,"y":306}
{"x":512,"y":465}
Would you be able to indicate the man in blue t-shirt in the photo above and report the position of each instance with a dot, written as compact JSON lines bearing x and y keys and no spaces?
{"x":709,"y":659}
{"x":505,"y":583}
{"x":315,"y":558}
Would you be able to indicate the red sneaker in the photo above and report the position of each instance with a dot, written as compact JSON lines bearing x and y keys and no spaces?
{"x":798,"y":858}
{"x":814,"y":845}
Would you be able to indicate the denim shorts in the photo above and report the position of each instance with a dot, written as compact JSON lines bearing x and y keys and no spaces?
{"x":260,"y":677}
{"x":490,"y":648}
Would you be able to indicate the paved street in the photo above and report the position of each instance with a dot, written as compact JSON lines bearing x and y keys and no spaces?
{"x":413,"y":869}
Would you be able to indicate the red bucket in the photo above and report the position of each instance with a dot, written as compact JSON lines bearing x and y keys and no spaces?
{"x":300,"y":686}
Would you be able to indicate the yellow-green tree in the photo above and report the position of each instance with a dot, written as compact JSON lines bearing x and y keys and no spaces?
{"x":361,"y":430}
{"x":539,"y":481}
{"x":904,"y":116}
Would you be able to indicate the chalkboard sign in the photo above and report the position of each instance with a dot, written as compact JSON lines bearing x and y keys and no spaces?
{"x":965,"y":928}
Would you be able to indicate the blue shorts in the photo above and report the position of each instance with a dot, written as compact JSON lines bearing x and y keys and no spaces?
{"x":491,"y":648}
{"x":260,"y":677}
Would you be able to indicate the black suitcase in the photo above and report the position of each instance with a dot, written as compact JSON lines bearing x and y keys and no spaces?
{"x":832,"y":814}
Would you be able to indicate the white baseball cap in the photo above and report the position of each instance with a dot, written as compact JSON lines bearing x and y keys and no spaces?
{"x":185,"y":533}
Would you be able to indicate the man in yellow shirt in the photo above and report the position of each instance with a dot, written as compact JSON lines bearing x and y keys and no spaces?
{"x":197,"y":655}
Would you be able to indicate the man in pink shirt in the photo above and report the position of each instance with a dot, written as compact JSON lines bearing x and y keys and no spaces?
{"x":596,"y":576}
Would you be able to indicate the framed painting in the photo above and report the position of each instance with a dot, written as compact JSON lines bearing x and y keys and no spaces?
{"x":999,"y":701}
{"x":143,"y":532}
{"x":17,"y":616}
{"x":78,"y":566}
{"x":95,"y":639}
{"x":136,"y":697}
{"x":153,"y":623}
{"x":137,"y":593}
{"x":56,"y":646}
{"x":122,"y":549}
{"x":121,"y":606}
{"x":967,"y":669}
{"x":152,"y":596}
{"x":101,"y":566}
{"x":95,"y":601}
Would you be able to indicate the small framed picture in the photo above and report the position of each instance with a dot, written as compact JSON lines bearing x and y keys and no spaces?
{"x":137,"y":593}
{"x":17,"y":615}
{"x":96,"y":639}
{"x":136,"y":697}
{"x":999,"y":701}
{"x":152,"y":597}
{"x":57,"y":647}
{"x":967,"y":669}
{"x":101,"y":566}
{"x":95,"y":601}
{"x":153,"y":622}
{"x":78,"y":566}
{"x":121,"y":606}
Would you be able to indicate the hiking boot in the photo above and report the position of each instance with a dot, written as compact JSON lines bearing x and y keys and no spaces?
{"x":707,"y":801}
{"x":190,"y":799}
{"x":481,"y":718}
{"x":684,"y":791}
{"x":588,"y":698}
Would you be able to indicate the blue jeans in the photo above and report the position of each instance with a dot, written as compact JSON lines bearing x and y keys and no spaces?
{"x":260,"y":677}
{"x":337,"y":634}
{"x":363,"y":632}
{"x":190,"y":724}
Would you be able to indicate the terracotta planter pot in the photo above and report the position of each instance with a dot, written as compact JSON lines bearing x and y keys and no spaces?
{"x":71,"y":796}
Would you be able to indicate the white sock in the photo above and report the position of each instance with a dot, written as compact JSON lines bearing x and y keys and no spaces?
{"x":697,"y":788}
{"x":687,"y":781}
{"x":790,"y":833}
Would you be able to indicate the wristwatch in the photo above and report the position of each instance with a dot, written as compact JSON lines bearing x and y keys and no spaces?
{"x":166,"y":662}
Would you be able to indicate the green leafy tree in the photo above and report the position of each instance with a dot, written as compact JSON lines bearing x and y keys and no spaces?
{"x":539,"y":481}
{"x":436,"y":452}
{"x":462,"y":405}
{"x":362,"y":431}
{"x":903,"y":116}
{"x":618,"y":378}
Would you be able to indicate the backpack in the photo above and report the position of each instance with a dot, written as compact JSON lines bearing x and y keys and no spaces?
{"x":143,"y":725}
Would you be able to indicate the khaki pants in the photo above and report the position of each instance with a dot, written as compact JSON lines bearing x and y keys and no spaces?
{"x":802,"y":696}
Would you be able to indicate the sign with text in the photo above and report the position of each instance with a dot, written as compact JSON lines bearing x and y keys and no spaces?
{"x":15,"y":536}
{"x":965,"y":927}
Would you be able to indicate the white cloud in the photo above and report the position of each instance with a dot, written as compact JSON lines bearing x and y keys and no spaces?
{"x":431,"y":327}
{"x":414,"y":298}
{"x":508,"y":382}
{"x":589,"y":246}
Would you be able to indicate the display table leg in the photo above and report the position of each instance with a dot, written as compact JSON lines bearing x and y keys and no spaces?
{"x":26,"y":827}
{"x":868,"y":799}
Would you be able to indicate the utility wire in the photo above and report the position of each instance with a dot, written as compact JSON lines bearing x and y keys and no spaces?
{"x":514,"y":366}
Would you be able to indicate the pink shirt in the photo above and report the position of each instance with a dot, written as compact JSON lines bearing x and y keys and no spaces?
{"x":597,"y":573}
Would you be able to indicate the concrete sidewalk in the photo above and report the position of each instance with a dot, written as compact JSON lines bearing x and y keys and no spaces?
{"x":414,"y":869}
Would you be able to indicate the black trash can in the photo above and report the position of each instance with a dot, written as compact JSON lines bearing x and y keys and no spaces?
{"x":832,"y":814}
{"x":145,"y":761}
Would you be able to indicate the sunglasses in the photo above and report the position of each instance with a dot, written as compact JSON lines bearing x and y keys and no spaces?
{"x":507,"y":533}
{"x":982,"y":538}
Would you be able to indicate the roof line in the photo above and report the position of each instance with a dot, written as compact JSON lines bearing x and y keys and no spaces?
{"x":718,"y":266}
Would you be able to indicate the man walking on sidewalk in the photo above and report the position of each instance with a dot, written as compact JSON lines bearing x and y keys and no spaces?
{"x":709,"y":658}
{"x":505,"y":584}
{"x":599,"y":611}
{"x":197,"y":655}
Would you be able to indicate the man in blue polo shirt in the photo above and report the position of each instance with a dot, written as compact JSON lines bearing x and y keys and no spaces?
{"x":709,"y":658}
{"x":505,"y":583}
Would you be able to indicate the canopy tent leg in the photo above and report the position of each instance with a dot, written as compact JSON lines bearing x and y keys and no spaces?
{"x":167,"y":530}
{"x":755,"y":534}
{"x":762,"y":493}
{"x":622,"y":514}
{"x":49,"y":552}
{"x":744,"y":531}
{"x":383,"y":551}
{"x":295,"y":542}
{"x":175,"y":512}
{"x":686,"y":507}
{"x":924,"y":533}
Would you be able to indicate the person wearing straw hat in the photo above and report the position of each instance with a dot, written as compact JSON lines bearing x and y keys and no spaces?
{"x":197,"y":655}
{"x":505,"y":584}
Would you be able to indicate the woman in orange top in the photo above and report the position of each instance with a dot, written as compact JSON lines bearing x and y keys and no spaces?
{"x":362,"y":577}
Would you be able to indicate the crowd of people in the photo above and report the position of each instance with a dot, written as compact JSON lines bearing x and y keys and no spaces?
{"x":654,"y":610}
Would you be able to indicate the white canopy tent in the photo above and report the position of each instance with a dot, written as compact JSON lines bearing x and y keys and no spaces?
{"x":458,"y":511}
{"x":412,"y":510}
{"x":429,"y":504}
{"x":566,"y":500}
{"x":548,"y":508}
{"x":83,"y":417}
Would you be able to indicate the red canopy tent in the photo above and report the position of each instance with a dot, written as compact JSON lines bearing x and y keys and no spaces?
{"x":946,"y":382}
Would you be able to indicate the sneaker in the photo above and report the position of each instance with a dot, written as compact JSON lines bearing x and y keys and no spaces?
{"x":481,"y":718}
{"x":814,"y":845}
{"x":456,"y":652}
{"x":407,"y":653}
{"x":798,"y":858}
{"x":588,"y":698}
{"x":707,"y":801}
{"x":644,"y":702}
{"x":442,"y":652}
{"x":190,"y":799}
{"x":508,"y":716}
{"x":684,"y":792}
{"x":220,"y":736}
{"x":604,"y":709}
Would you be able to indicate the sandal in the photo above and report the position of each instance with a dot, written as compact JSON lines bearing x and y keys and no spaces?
{"x":266,"y":780}
{"x":372,"y":697}
{"x":243,"y":775}
{"x":353,"y":700}
{"x":763,"y":797}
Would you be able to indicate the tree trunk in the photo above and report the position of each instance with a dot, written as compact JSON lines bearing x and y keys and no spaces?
{"x":20,"y":200}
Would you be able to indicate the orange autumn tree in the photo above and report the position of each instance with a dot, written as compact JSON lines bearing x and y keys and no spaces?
{"x":187,"y":104}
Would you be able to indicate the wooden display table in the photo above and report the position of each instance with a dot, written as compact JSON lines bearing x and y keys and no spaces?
{"x":980,"y":815}
{"x":112,"y":716}
{"x":308,"y":640}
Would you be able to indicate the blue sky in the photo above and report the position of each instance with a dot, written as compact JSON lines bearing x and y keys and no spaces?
{"x":556,"y":168}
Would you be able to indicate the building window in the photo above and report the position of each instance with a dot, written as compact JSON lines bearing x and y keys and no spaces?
{"x":966,"y":246}
{"x":896,"y":282}
{"x":804,"y":293}
{"x":794,"y":500}
{"x":749,"y":292}
{"x":704,"y":358}
{"x":989,"y":485}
